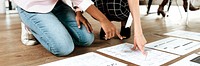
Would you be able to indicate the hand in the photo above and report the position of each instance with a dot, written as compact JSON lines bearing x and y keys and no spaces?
{"x":81,"y":19}
{"x":109,"y":29}
{"x":139,"y":42}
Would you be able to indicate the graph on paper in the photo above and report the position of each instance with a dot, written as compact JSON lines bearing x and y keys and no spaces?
{"x":186,"y":61}
{"x":88,"y":59}
{"x":185,"y":34}
{"x":124,"y":52}
{"x":175,"y":45}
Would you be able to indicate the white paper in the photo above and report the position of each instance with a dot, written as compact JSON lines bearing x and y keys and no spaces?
{"x":124,"y":52}
{"x":129,"y":21}
{"x":186,"y":61}
{"x":185,"y":34}
{"x":88,"y":59}
{"x":175,"y":45}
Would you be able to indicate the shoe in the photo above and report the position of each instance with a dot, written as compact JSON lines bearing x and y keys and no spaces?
{"x":125,"y":32}
{"x":160,"y":11}
{"x":191,"y":8}
{"x":27,"y":37}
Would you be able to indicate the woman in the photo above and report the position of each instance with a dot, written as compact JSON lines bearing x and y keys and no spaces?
{"x":185,"y":3}
{"x":56,"y":26}
{"x":119,"y":10}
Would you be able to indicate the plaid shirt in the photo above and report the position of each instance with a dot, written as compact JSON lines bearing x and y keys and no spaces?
{"x":115,"y":10}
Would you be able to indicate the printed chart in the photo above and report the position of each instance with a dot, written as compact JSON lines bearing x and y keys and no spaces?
{"x":186,"y":61}
{"x":175,"y":45}
{"x":88,"y":59}
{"x":124,"y":52}
{"x":185,"y":34}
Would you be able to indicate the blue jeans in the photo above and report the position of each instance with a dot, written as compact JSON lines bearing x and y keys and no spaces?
{"x":57,"y":30}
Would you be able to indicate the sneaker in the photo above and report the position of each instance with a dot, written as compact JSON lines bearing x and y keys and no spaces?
{"x":27,"y":37}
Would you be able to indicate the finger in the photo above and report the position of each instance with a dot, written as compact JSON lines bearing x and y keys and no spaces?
{"x":78,"y":23}
{"x":141,"y":48}
{"x":118,"y":34}
{"x":88,"y":29}
{"x":107,"y":35}
{"x":113,"y":32}
{"x":135,"y":46}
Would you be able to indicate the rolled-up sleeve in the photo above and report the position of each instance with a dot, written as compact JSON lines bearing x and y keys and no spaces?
{"x":82,"y":4}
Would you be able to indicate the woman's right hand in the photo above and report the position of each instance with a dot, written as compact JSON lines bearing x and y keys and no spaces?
{"x":109,"y":29}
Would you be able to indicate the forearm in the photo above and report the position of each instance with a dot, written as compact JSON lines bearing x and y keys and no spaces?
{"x":134,"y":8}
{"x":96,"y":13}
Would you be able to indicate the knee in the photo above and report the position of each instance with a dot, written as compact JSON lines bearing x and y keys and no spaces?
{"x":62,"y":50}
{"x":87,"y":41}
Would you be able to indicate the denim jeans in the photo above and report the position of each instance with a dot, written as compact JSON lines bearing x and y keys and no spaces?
{"x":57,"y":31}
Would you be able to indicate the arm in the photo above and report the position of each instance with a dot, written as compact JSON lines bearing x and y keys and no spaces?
{"x":139,"y":39}
{"x":109,"y":29}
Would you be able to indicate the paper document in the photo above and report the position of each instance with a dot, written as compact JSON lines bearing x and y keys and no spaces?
{"x":129,"y":21}
{"x":185,"y":34}
{"x":124,"y":52}
{"x":175,"y":45}
{"x":186,"y":61}
{"x":88,"y":59}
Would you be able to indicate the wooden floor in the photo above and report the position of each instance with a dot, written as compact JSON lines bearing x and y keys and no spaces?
{"x":14,"y":53}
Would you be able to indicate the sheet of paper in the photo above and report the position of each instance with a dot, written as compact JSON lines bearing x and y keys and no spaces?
{"x":124,"y":52}
{"x":186,"y":61}
{"x":88,"y":59}
{"x":185,"y":34}
{"x":129,"y":21}
{"x":175,"y":45}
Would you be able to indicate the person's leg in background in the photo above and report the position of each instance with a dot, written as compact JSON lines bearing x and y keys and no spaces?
{"x":161,"y":8}
{"x":185,"y":3}
{"x":115,"y":10}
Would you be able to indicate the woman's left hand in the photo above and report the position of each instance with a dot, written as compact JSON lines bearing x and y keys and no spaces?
{"x":81,"y":19}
